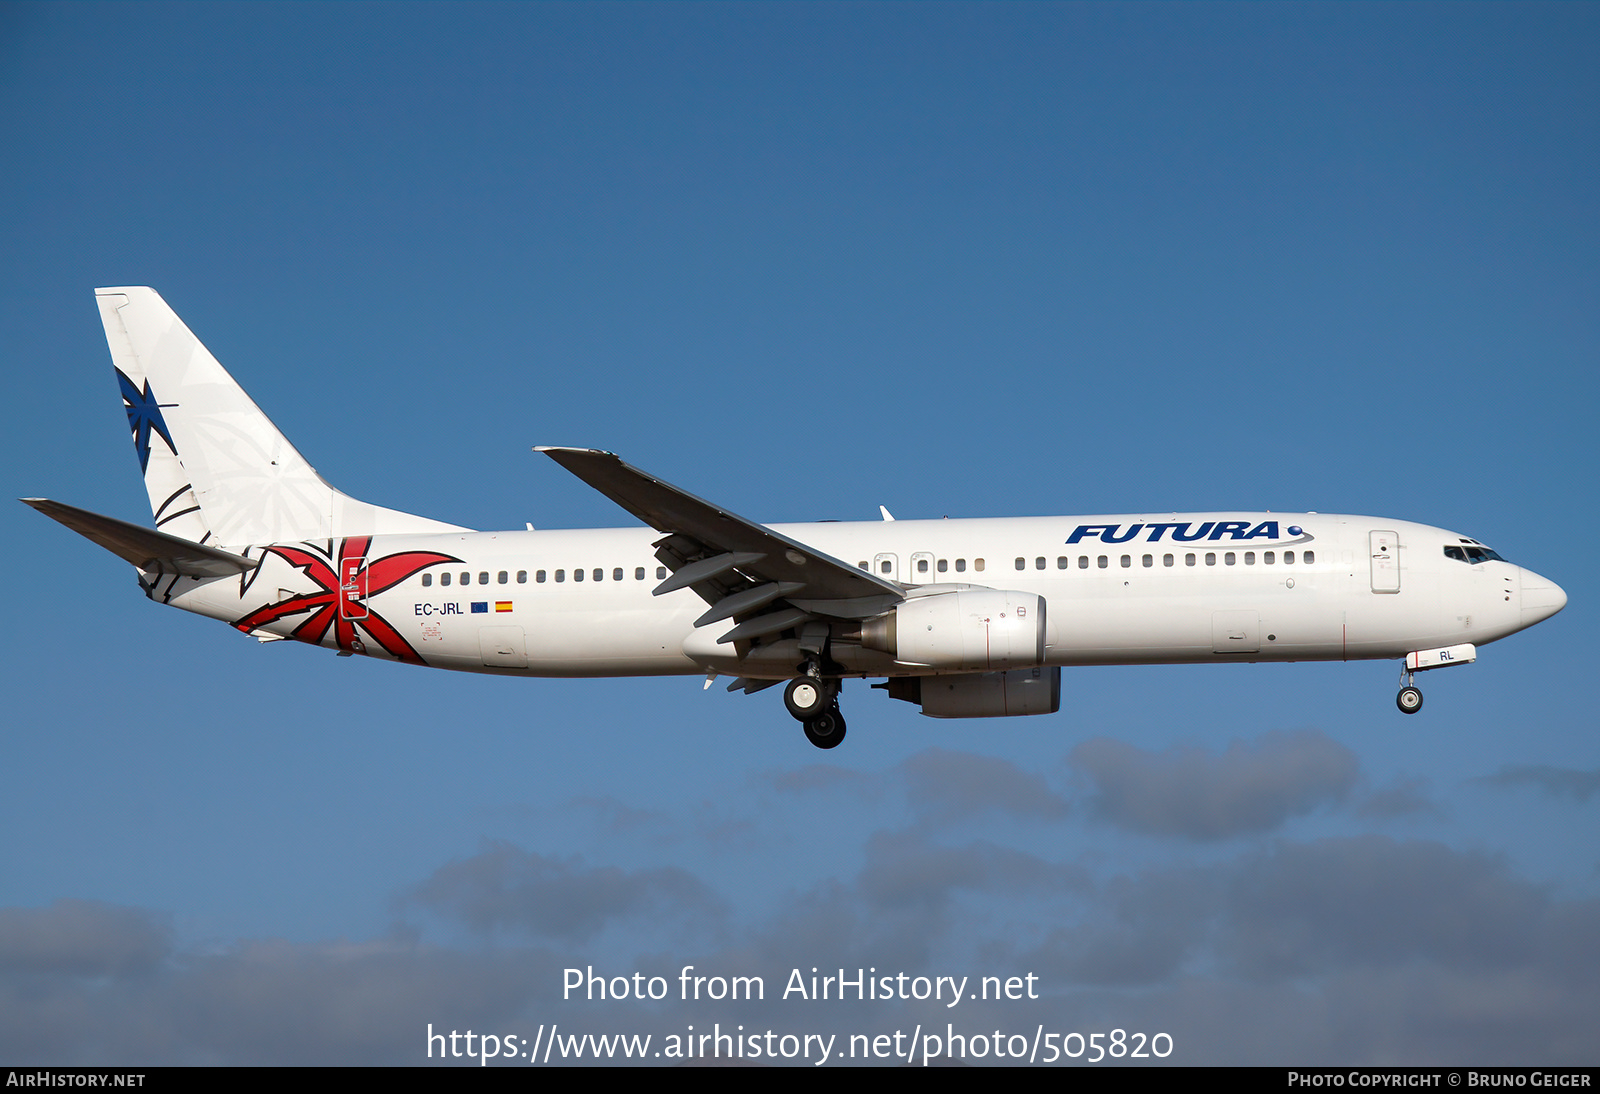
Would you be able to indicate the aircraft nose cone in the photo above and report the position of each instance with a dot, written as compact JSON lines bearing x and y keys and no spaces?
{"x":1541,"y":598}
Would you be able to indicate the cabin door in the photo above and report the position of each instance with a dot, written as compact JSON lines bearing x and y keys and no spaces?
{"x":1385,"y":551}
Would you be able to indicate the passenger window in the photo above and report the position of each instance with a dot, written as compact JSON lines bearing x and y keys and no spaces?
{"x":1061,"y":563}
{"x":1188,"y":559}
{"x":1127,"y":560}
{"x":616,"y":575}
{"x":466,"y":579}
{"x":561,"y":575}
{"x":577,"y":574}
{"x":1308,"y":557}
{"x":661,"y":573}
{"x":977,"y":564}
{"x":444,"y":579}
{"x":1038,"y":563}
{"x":1229,"y":558}
{"x":1267,"y":557}
{"x":886,"y":566}
{"x":427,"y":579}
{"x":961,"y":565}
{"x":483,"y":577}
{"x":599,"y":574}
{"x":522,"y":577}
{"x":1249,"y":558}
{"x":539,"y":577}
{"x":944,"y":564}
{"x":1211,"y":558}
{"x":1149,"y":561}
{"x":638,"y":573}
{"x":922,"y":565}
{"x":1166,"y":560}
{"x":863,"y":565}
{"x":1104,"y":562}
{"x":504,"y":578}
{"x":1022,"y":563}
{"x":1288,"y":558}
{"x":1083,"y":562}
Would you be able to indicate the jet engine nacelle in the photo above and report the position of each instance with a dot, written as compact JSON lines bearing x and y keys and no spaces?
{"x":963,"y":630}
{"x":981,"y":694}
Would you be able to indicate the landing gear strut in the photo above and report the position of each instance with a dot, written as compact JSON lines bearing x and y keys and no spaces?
{"x":1410,"y":698}
{"x":814,"y":702}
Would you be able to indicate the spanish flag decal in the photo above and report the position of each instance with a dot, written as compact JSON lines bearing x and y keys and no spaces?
{"x":502,"y":605}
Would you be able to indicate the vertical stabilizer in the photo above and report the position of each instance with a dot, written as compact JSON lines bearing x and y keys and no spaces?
{"x":216,"y":468}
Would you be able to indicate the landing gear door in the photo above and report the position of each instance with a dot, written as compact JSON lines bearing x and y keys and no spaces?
{"x":1385,"y":551}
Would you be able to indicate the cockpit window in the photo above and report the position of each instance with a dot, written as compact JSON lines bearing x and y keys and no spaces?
{"x":1471,"y":554}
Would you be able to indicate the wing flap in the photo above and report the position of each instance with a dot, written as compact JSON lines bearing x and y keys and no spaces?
{"x":748,"y":600}
{"x":705,"y":570}
{"x":759,"y":626}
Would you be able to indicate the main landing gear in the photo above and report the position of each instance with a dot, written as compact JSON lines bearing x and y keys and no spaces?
{"x":814,"y":702}
{"x":1410,"y":698}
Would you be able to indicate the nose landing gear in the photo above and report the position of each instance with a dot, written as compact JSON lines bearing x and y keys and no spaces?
{"x":814,"y":702}
{"x":1410,"y":698}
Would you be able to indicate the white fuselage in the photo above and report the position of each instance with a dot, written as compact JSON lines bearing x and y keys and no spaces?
{"x":1120,"y":589}
{"x":966,"y":618}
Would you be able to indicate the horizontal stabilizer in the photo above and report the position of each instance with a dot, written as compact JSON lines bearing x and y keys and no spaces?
{"x":144,"y":547}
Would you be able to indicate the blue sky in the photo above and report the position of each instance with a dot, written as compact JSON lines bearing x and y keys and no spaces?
{"x":805,"y":260}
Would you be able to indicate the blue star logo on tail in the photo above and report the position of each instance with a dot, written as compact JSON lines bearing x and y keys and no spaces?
{"x":144,"y":415}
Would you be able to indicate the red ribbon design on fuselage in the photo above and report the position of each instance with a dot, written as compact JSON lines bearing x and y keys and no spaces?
{"x":333,"y":602}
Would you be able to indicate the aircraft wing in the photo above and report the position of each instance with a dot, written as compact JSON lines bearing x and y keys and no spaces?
{"x":145,"y":547}
{"x":739,"y":567}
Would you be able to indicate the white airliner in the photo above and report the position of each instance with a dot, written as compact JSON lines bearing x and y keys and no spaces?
{"x":966,"y":618}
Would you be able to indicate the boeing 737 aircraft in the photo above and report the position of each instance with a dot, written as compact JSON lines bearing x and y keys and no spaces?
{"x":966,"y":618}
